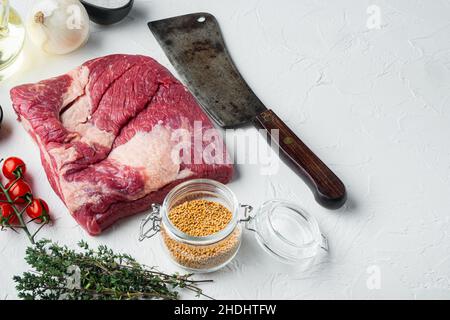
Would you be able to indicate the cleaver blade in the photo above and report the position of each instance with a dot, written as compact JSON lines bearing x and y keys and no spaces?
{"x":194,"y":45}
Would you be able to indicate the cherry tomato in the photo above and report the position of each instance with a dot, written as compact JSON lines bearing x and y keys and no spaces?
{"x":13,"y":168}
{"x":7,"y":215}
{"x":19,"y":191}
{"x":38,"y":209}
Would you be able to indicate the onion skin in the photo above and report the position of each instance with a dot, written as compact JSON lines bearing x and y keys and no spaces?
{"x":58,"y":26}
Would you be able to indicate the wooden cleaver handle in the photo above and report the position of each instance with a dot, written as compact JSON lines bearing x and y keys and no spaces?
{"x":328,"y":190}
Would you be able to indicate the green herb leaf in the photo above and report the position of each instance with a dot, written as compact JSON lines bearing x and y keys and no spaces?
{"x":87,"y":274}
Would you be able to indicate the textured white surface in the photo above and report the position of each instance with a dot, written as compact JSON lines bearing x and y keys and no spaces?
{"x":373,"y":104}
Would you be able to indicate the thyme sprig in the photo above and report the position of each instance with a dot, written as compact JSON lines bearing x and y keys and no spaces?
{"x":63,"y":273}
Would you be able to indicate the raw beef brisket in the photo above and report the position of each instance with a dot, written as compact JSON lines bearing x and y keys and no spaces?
{"x":105,"y":132}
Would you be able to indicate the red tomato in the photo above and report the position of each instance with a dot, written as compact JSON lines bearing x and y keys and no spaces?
{"x":13,"y":168}
{"x":19,"y":191}
{"x":38,"y":209}
{"x":7,"y":214}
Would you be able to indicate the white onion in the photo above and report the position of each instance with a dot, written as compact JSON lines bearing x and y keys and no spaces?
{"x":58,"y":26}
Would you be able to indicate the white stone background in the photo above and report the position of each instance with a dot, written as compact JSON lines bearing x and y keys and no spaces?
{"x":372,"y":103}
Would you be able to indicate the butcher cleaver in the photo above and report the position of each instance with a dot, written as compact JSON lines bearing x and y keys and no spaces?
{"x":195,"y":46}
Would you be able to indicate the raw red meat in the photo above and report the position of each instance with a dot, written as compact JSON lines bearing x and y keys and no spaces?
{"x":105,"y":132}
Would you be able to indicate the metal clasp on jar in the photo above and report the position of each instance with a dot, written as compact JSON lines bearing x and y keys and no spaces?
{"x":155,"y":218}
{"x":248,"y":217}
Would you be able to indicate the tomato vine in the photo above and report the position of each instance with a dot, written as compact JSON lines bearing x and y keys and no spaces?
{"x":13,"y":210}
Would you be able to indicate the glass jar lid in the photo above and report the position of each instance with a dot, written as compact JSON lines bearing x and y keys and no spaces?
{"x":286,"y":231}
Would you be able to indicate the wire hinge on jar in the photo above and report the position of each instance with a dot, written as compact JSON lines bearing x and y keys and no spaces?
{"x":324,"y":244}
{"x":248,"y":217}
{"x":155,"y":219}
{"x":247,"y":210}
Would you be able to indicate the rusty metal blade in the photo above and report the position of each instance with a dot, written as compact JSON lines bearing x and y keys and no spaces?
{"x":195,"y":46}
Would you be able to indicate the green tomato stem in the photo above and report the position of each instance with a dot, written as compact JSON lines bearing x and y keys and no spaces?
{"x":19,"y":214}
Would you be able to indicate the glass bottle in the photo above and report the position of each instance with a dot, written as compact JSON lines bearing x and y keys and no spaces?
{"x":12,"y":36}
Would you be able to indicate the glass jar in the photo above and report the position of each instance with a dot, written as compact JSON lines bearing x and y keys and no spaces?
{"x":282,"y":228}
{"x":12,"y":38}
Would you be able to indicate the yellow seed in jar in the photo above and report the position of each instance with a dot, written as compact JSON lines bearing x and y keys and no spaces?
{"x":202,"y":257}
{"x":199,"y":218}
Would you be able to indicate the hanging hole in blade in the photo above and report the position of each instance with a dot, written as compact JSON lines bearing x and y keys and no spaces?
{"x":201,"y":19}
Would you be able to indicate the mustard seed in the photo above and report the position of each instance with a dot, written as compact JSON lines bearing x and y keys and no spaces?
{"x":199,"y":218}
